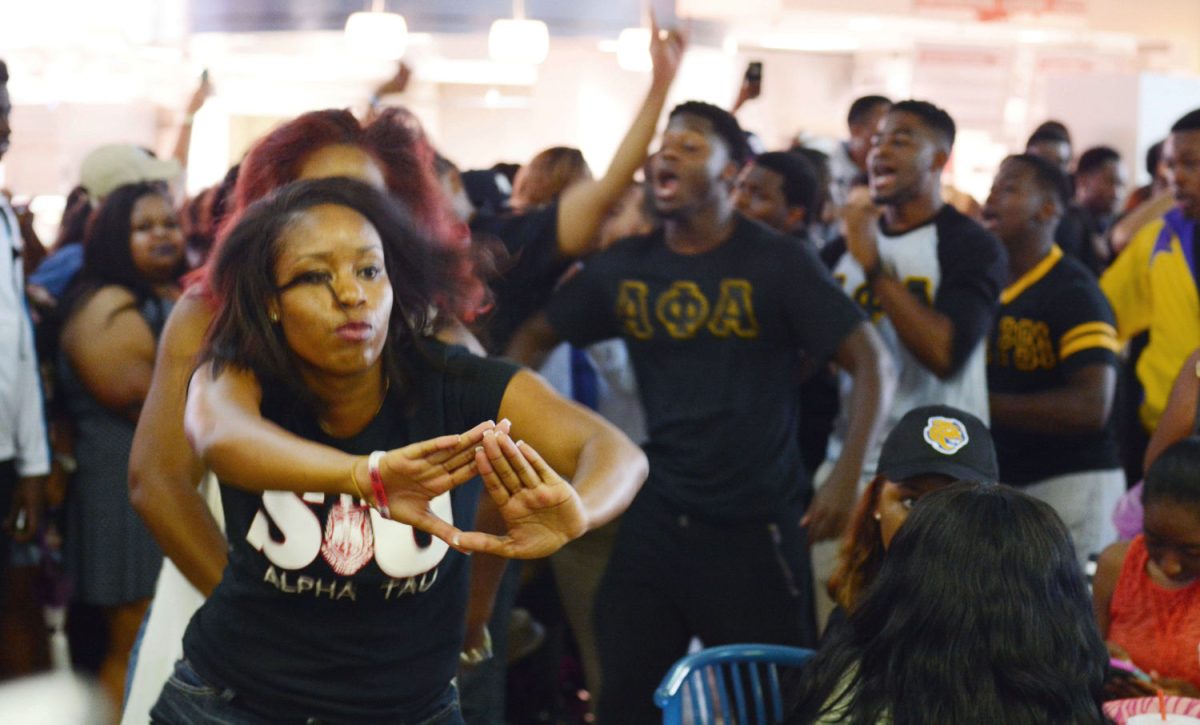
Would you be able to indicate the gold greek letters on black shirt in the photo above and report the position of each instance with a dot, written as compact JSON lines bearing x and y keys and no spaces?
{"x":1023,"y":344}
{"x":683,"y":310}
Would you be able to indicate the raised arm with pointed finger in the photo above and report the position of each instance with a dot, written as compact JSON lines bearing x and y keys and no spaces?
{"x":584,"y":206}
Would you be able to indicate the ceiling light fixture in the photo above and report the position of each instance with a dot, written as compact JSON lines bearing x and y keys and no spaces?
{"x":377,"y":33}
{"x":517,"y":39}
{"x":633,"y":46}
{"x":633,"y":50}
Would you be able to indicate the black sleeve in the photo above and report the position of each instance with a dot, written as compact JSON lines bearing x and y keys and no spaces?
{"x":832,"y":252}
{"x":1082,"y":326}
{"x":581,"y":310}
{"x":531,"y":239}
{"x":974,"y":271}
{"x":532,"y":269}
{"x":816,"y":308}
{"x":475,"y":386}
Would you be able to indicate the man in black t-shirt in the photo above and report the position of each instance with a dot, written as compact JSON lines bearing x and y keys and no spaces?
{"x":714,"y":309}
{"x":1052,"y":360}
{"x":542,"y":244}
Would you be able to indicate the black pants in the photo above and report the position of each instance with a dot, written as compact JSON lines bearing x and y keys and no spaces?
{"x":673,"y":577}
{"x":8,"y":487}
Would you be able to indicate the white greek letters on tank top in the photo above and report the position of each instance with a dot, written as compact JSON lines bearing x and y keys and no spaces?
{"x":352,"y":535}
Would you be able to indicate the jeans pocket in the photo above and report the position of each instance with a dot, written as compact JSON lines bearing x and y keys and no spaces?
{"x":449,"y":714}
{"x":185,"y":678}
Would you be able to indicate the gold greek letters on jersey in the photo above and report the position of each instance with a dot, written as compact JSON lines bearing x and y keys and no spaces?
{"x":683,"y":310}
{"x":734,"y":312}
{"x":632,"y":310}
{"x":1023,"y":344}
{"x":865,"y":297}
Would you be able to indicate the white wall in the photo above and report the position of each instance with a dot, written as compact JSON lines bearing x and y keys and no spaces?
{"x":1127,"y":112}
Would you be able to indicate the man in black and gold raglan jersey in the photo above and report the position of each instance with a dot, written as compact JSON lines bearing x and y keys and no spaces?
{"x":1052,"y":360}
{"x":715,"y":309}
{"x":928,"y":277}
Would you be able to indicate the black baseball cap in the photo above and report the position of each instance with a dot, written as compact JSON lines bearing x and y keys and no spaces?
{"x":939,"y":439}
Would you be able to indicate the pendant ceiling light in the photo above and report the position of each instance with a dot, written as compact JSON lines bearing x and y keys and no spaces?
{"x":518,"y":39}
{"x":376,"y":33}
{"x":633,"y":45}
{"x":633,"y":50}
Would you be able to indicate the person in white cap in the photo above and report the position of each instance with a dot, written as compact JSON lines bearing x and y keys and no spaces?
{"x":109,"y":167}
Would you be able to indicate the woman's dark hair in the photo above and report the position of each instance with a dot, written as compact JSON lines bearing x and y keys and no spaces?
{"x":75,"y":216}
{"x":242,"y":282}
{"x":979,"y":614}
{"x":107,"y":257}
{"x":547,"y":176}
{"x":203,"y":215}
{"x":396,"y":141}
{"x":1175,"y":475}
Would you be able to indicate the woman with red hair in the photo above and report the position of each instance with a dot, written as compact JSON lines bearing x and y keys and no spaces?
{"x":390,"y":154}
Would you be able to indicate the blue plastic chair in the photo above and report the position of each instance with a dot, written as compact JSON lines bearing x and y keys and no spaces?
{"x":704,"y":680}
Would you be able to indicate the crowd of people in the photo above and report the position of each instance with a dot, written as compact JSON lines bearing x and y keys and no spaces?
{"x":283,"y":445}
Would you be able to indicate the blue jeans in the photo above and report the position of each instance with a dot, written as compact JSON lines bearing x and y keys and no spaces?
{"x":188,"y":700}
{"x":484,"y":686}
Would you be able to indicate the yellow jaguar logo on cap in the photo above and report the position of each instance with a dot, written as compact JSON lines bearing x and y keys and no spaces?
{"x":946,"y":435}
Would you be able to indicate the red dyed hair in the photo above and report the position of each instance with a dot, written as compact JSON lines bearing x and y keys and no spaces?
{"x":861,"y":552}
{"x":396,"y":141}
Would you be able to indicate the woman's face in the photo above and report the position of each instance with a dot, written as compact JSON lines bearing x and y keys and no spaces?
{"x":896,"y":501}
{"x":342,"y":160}
{"x":1172,"y":530}
{"x":155,"y":239}
{"x":334,"y":300}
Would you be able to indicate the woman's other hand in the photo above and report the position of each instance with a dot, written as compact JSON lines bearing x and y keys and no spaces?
{"x":541,"y":510}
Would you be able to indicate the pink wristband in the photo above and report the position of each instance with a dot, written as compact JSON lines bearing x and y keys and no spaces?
{"x":377,"y":488}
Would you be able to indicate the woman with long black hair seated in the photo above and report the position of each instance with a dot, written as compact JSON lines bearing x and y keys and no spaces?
{"x":328,"y":611}
{"x":978,"y":615}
